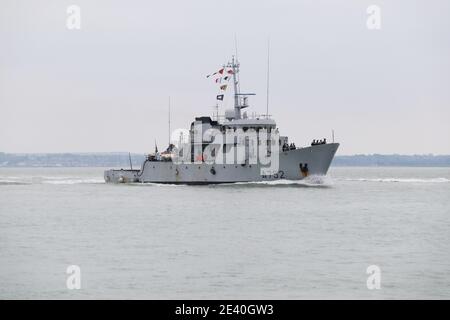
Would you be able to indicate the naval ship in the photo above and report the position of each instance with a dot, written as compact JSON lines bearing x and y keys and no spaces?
{"x":255,"y":152}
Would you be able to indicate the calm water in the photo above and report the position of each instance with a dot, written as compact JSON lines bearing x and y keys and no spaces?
{"x":273,"y":240}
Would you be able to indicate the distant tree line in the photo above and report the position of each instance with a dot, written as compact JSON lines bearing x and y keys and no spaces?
{"x":121,"y":159}
{"x":118,"y":159}
{"x":383,"y":160}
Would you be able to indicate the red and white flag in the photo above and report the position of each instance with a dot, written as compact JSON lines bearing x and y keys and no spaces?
{"x":213,"y":74}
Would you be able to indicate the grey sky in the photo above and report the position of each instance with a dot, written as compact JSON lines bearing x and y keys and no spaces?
{"x":105,"y":87}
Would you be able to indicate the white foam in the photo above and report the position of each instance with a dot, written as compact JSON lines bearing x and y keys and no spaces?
{"x":311,"y":181}
{"x":73,"y":181}
{"x":401,"y":180}
{"x":47,"y":180}
{"x":154,"y":184}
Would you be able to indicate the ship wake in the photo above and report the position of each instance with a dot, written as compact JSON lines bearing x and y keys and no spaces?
{"x":48,"y":180}
{"x":398,"y":180}
{"x":313,"y":181}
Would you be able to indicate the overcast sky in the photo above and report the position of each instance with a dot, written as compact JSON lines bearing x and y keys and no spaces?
{"x":105,"y":87}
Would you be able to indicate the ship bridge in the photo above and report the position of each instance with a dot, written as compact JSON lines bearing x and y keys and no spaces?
{"x":247,"y":123}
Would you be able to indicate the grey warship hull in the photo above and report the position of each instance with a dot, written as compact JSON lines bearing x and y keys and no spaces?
{"x":318,"y":159}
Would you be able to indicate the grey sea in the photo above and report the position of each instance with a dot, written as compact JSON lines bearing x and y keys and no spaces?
{"x":279,"y":240}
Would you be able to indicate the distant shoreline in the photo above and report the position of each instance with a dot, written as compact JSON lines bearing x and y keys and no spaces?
{"x":121,"y":159}
{"x":393,"y":160}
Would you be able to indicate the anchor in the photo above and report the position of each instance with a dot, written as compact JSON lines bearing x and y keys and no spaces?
{"x":304,"y":169}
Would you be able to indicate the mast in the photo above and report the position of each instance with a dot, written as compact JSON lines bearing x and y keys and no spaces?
{"x":236,"y":55}
{"x":131,"y":163}
{"x":237,"y":107}
{"x":169,"y":120}
{"x":268,"y":78}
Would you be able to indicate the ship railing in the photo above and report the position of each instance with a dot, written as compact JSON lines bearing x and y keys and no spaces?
{"x":253,"y":115}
